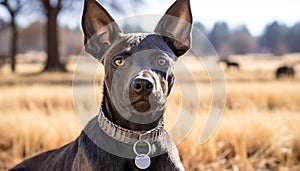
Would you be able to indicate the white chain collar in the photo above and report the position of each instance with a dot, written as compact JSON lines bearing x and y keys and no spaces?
{"x":129,"y":136}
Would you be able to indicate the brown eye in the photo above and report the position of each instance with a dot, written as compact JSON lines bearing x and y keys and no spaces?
{"x":119,"y":61}
{"x":162,"y":61}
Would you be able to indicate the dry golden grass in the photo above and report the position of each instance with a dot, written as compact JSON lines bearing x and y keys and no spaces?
{"x":259,"y":129}
{"x":247,"y":141}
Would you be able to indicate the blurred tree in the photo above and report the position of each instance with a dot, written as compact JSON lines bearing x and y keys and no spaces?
{"x":220,"y":38}
{"x":200,"y":26}
{"x":293,"y":38}
{"x":52,"y":8}
{"x":274,"y":38}
{"x":13,"y":8}
{"x":243,"y":42}
{"x":199,"y":40}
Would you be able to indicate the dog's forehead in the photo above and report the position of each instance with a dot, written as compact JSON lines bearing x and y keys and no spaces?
{"x":138,"y":42}
{"x":152,"y":41}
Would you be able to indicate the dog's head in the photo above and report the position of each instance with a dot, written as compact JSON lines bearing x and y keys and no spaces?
{"x":139,"y":68}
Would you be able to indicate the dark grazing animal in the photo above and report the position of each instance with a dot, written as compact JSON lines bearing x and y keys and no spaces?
{"x":139,"y":75}
{"x":285,"y":71}
{"x":230,"y":64}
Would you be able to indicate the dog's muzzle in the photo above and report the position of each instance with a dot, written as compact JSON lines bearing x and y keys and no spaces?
{"x":140,"y":90}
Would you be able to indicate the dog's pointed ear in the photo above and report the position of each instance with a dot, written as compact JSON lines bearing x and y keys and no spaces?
{"x":99,"y":28}
{"x":175,"y":27}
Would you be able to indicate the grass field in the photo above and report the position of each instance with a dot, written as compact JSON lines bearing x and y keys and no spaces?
{"x":259,"y":128}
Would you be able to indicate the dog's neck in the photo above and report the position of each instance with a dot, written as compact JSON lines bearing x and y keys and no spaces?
{"x":114,"y":116}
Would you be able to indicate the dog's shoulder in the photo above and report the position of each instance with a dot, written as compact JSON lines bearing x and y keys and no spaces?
{"x":50,"y":160}
{"x":170,"y":159}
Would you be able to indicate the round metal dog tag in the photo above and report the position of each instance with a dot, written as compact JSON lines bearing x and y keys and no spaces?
{"x":142,"y":161}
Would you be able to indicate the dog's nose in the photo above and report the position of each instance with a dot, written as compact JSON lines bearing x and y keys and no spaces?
{"x":140,"y":86}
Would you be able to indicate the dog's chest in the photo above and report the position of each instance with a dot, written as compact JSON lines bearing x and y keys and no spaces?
{"x":90,"y":157}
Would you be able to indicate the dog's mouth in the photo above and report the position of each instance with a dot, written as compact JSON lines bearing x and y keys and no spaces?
{"x":141,"y":105}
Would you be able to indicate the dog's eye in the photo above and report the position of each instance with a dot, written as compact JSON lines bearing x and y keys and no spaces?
{"x":161,"y":61}
{"x":119,"y":61}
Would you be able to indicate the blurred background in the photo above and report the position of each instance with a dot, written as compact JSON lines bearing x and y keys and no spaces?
{"x":258,"y":43}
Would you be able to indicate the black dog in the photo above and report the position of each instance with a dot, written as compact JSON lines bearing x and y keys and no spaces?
{"x":285,"y":71}
{"x":128,"y":134}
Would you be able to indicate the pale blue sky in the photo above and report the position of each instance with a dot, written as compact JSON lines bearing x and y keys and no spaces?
{"x":255,"y":14}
